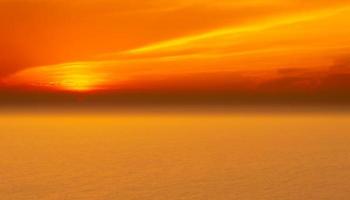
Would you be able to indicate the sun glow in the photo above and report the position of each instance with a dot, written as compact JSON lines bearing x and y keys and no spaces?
{"x":79,"y":77}
{"x":79,"y":82}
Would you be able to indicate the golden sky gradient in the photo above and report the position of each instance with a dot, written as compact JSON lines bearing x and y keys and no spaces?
{"x":201,"y":45}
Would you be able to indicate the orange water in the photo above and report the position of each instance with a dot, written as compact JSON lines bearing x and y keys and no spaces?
{"x":194,"y":157}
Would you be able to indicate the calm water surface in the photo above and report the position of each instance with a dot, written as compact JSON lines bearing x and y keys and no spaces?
{"x":189,"y":157}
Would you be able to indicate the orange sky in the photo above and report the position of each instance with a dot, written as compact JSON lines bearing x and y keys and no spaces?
{"x":201,"y":45}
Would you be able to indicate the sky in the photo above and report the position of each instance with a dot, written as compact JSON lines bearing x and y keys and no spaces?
{"x":238,"y":49}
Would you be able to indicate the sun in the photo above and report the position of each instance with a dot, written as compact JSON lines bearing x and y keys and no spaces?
{"x":80,"y":81}
{"x":79,"y":77}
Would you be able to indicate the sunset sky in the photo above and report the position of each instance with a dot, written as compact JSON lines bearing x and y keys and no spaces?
{"x":201,"y":46}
